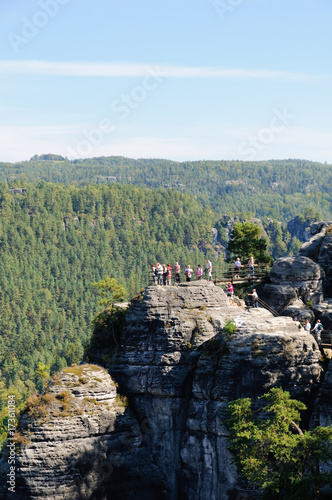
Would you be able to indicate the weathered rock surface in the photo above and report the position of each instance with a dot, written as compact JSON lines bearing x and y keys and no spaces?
{"x":82,"y":442}
{"x":319,"y":249}
{"x":180,"y":372}
{"x":294,"y":281}
{"x":264,"y":352}
{"x":304,"y":230}
{"x":325,"y":261}
{"x":155,"y":365}
{"x":179,"y":368}
{"x":322,"y":414}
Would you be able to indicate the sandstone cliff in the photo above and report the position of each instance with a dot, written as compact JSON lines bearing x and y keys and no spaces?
{"x":73,"y":438}
{"x":178,"y":368}
{"x":305,"y":278}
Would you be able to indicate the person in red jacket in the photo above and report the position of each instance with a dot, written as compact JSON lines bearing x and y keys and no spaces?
{"x":169,"y":275}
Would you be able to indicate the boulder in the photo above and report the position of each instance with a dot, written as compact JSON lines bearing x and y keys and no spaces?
{"x":81,"y":441}
{"x":278,"y":296}
{"x":293,"y":278}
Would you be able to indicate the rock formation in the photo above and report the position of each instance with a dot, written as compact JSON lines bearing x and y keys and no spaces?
{"x":303,"y":278}
{"x":178,"y":365}
{"x":294,"y":282}
{"x":74,"y":437}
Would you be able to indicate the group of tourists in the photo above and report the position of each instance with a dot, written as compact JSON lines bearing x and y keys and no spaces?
{"x":162,"y":273}
{"x":316,"y":330}
{"x":237,"y":266}
{"x":253,"y":295}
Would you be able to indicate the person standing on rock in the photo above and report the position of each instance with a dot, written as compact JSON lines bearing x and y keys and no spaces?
{"x":307,"y":326}
{"x":160,"y":273}
{"x":165,"y":274}
{"x":154,"y":274}
{"x":209,"y":269}
{"x":237,"y":267}
{"x":317,"y":329}
{"x":230,"y":291}
{"x":199,"y":272}
{"x":169,"y":275}
{"x":254,"y":298}
{"x":177,"y":272}
{"x":188,"y":273}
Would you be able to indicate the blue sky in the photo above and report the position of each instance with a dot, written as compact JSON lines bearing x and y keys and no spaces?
{"x":181,"y":80}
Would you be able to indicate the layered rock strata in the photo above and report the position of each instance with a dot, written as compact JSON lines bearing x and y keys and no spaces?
{"x":179,"y":366}
{"x":81,"y":441}
{"x":179,"y":371}
{"x":295,"y":282}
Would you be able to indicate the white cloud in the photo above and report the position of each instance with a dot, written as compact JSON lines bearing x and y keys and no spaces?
{"x":92,"y":69}
{"x":20,"y":143}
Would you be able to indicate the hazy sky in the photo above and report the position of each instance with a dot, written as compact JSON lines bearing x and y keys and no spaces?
{"x":175,"y":79}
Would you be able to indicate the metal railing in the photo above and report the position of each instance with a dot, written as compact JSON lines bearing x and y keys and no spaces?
{"x":223,"y":275}
{"x":182,"y":279}
{"x":243,"y":274}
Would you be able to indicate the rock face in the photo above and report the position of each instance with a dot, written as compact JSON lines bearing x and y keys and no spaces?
{"x":178,"y":367}
{"x":294,"y":281}
{"x":179,"y":371}
{"x":78,"y":441}
{"x":319,"y":249}
{"x":265,"y":352}
{"x":304,"y":230}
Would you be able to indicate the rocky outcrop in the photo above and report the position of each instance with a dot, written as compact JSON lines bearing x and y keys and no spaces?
{"x":304,"y":230}
{"x":81,"y":441}
{"x":305,"y":278}
{"x":264,"y":352}
{"x":295,"y":282}
{"x":179,"y":370}
{"x":179,"y":366}
{"x":319,"y":249}
{"x":163,"y":333}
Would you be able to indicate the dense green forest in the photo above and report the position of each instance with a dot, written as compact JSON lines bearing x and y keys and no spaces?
{"x":65,"y":224}
{"x":279,"y":189}
{"x":56,"y":240}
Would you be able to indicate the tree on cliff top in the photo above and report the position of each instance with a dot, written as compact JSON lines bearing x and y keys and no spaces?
{"x":246,"y":240}
{"x":110,"y":292}
{"x":274,"y":453}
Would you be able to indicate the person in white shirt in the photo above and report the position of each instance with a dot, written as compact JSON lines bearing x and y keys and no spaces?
{"x":160,"y":273}
{"x":209,"y":269}
{"x":307,"y":325}
{"x":237,"y":267}
{"x":254,"y":298}
{"x":317,"y":329}
{"x":188,"y":273}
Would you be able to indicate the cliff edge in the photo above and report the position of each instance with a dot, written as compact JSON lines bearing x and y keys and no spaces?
{"x":178,"y":367}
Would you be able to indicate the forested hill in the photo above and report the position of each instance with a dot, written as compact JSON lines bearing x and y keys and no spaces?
{"x":65,"y":224}
{"x":55,"y":240}
{"x":280,"y":189}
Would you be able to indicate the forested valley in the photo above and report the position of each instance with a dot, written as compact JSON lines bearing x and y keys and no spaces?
{"x":56,"y":240}
{"x":66,"y":224}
